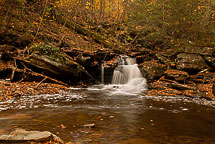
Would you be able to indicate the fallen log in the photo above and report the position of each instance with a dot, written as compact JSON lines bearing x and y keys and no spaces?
{"x":28,"y":71}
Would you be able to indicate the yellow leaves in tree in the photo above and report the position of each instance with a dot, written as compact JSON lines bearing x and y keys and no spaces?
{"x":213,"y":15}
{"x":35,"y":23}
{"x":107,"y":8}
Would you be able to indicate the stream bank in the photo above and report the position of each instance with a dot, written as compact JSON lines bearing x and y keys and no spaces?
{"x":181,"y":72}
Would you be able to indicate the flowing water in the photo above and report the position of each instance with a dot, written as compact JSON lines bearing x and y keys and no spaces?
{"x":119,"y":118}
{"x":113,"y":114}
{"x":126,"y":70}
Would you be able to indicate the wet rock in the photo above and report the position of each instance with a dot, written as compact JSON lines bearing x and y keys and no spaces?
{"x":89,"y":125}
{"x":152,"y":69}
{"x":177,"y":75}
{"x":21,"y":135}
{"x":190,"y":62}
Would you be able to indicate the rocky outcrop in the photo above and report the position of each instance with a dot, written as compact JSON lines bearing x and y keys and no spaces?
{"x":55,"y":66}
{"x":177,"y":82}
{"x":190,"y":62}
{"x":152,"y":69}
{"x":190,"y":73}
{"x":50,"y":60}
{"x":176,"y":75}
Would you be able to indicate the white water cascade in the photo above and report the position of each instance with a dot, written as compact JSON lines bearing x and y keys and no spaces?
{"x":102,"y":73}
{"x":126,"y":70}
{"x":127,"y":77}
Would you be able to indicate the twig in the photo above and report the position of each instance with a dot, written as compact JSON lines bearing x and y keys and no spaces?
{"x":40,"y":82}
{"x":12,"y":74}
{"x":13,"y":70}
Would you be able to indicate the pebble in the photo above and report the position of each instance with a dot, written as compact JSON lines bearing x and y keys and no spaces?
{"x":89,"y":125}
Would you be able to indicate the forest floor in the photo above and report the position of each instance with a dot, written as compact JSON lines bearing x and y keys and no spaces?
{"x":10,"y":90}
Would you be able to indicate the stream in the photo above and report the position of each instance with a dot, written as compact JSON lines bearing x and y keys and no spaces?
{"x":103,"y":115}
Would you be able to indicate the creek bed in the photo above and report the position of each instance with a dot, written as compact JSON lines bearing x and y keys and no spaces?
{"x":98,"y":115}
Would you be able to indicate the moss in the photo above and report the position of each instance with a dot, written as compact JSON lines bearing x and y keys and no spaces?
{"x":53,"y":53}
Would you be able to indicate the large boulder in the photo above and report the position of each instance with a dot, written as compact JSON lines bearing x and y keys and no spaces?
{"x":152,"y":69}
{"x":52,"y":61}
{"x":23,"y":136}
{"x":190,"y":62}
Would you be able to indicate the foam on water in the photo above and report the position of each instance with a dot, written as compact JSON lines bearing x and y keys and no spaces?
{"x":133,"y":87}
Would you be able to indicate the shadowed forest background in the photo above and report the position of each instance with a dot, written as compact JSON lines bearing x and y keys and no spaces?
{"x":154,"y":24}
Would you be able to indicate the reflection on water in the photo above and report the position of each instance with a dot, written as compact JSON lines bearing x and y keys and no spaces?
{"x":118,"y":118}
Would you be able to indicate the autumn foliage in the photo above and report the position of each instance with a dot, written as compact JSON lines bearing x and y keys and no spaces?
{"x":158,"y":23}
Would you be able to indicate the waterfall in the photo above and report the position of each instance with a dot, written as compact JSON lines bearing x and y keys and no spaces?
{"x":102,"y":73}
{"x":126,"y":70}
{"x":124,"y":73}
{"x":128,"y":76}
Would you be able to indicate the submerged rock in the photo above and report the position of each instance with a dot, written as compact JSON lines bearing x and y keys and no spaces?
{"x":89,"y":125}
{"x":21,"y":135}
